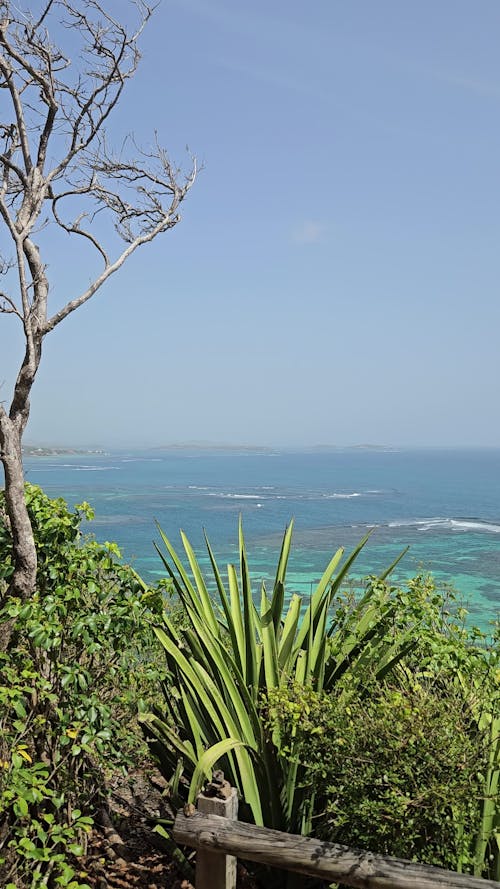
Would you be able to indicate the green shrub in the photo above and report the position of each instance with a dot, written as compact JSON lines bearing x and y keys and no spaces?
{"x":394,"y":770}
{"x":71,"y":682}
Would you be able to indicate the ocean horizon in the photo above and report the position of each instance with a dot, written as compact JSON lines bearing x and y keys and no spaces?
{"x":442,"y":503}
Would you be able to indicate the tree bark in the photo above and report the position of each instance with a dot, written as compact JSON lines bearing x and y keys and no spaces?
{"x":23,"y":581}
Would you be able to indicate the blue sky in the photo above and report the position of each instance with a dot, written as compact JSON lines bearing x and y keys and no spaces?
{"x":335,"y":278}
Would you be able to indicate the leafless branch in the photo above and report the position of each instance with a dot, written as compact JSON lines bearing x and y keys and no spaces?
{"x":75,"y":227}
{"x":8,"y":306}
{"x":167,"y":218}
{"x":57,"y":163}
{"x":6,"y":264}
{"x":10,"y":81}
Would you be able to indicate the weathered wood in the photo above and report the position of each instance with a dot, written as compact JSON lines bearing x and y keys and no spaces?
{"x":306,"y":855}
{"x":213,"y":870}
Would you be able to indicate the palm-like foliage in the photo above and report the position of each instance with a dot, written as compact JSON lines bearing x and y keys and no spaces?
{"x":229,"y":655}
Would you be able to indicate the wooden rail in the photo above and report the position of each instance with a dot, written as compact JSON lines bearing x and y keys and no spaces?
{"x":219,"y":837}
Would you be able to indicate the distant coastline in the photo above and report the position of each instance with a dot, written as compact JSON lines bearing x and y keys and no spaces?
{"x":221,"y":448}
{"x":32,"y":451}
{"x":218,"y":447}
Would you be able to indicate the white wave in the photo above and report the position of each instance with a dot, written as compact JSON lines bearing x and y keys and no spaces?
{"x":239,"y":496}
{"x":72,"y":468}
{"x":92,"y":468}
{"x":338,"y":496}
{"x":207,"y":492}
{"x":472,"y":525}
{"x":342,"y":495}
{"x":447,"y":524}
{"x":409,"y":523}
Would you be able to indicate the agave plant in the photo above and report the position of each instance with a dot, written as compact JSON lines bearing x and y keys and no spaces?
{"x":234,"y":649}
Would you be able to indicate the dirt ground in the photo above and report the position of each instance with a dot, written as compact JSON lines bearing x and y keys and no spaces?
{"x":123,"y":851}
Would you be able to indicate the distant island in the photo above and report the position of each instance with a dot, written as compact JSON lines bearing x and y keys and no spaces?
{"x":217,"y":448}
{"x":352,"y":447}
{"x":32,"y":451}
{"x":206,"y":447}
{"x":220,"y":447}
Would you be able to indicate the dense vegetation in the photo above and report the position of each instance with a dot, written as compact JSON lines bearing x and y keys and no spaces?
{"x":71,"y":683}
{"x":372,"y":721}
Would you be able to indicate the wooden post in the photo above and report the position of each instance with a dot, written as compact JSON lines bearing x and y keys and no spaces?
{"x":215,"y":870}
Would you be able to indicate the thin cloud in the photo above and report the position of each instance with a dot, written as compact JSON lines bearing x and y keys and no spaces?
{"x":466,"y":82}
{"x":309,"y":231}
{"x":267,"y":75}
{"x":480,"y":87}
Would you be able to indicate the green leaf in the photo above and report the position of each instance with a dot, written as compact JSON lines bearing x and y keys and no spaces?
{"x":206,"y":610}
{"x":268,"y":630}
{"x":279,"y":582}
{"x":21,"y":807}
{"x":204,"y":765}
{"x":249,"y":616}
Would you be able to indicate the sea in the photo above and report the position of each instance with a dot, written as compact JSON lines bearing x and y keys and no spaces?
{"x":443,"y":505}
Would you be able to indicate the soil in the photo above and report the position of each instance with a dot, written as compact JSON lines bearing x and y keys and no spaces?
{"x":123,"y":850}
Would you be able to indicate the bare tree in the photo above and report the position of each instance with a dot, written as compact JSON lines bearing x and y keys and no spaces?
{"x":58,"y":173}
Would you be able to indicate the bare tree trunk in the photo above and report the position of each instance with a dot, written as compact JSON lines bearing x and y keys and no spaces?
{"x":12,"y":425}
{"x":23,"y":581}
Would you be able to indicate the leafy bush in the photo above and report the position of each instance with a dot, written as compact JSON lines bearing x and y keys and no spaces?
{"x":394,"y":770}
{"x":82,"y":658}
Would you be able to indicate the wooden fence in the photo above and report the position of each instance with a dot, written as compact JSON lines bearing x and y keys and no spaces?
{"x":213,"y":830}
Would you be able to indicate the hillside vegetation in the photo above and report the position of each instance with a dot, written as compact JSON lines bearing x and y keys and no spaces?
{"x":372,"y":721}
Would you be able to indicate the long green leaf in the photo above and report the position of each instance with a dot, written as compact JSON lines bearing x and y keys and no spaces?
{"x":250,"y":623}
{"x":204,"y":765}
{"x":186,"y":590}
{"x":221,"y":716}
{"x":199,"y":678}
{"x":228,"y":688}
{"x":236,"y":621}
{"x":206,"y":611}
{"x":220,"y":589}
{"x":162,"y":729}
{"x":289,"y":632}
{"x":319,"y":648}
{"x":385,"y":574}
{"x":279,"y":582}
{"x":271,"y":668}
{"x":316,"y":598}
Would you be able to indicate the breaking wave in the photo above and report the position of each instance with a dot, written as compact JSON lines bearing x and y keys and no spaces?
{"x":446,"y":524}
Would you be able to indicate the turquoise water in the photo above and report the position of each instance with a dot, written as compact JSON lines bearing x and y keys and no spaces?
{"x":444,"y":505}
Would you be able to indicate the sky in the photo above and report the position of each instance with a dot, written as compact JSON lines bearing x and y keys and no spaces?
{"x":335,"y":276}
